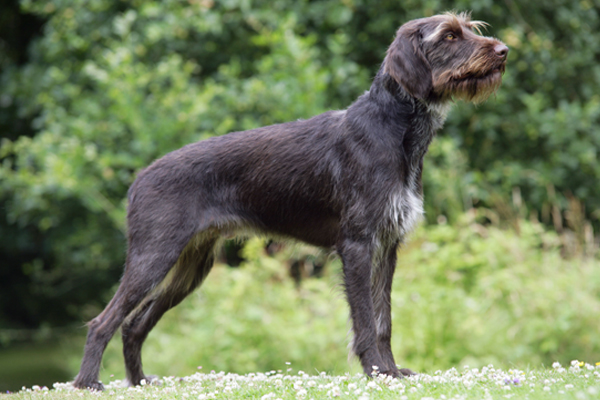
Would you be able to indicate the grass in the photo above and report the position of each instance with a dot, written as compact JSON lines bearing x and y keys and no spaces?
{"x":578,"y":381}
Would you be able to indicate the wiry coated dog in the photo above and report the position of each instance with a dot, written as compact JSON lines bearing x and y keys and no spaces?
{"x":349,"y":180}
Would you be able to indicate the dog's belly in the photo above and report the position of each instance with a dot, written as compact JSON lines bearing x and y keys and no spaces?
{"x":316,"y":227}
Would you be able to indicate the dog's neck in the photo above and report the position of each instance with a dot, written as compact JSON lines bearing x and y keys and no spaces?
{"x":438,"y":109}
{"x":427,"y":116}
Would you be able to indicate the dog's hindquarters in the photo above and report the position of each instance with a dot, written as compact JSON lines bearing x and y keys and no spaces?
{"x":170,"y":252}
{"x":189,"y":272}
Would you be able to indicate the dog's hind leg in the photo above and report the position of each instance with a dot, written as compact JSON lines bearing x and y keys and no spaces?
{"x":148,"y":261}
{"x":381,"y":288}
{"x":192,"y":267}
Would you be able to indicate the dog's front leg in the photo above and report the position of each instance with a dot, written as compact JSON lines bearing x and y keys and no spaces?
{"x":381,"y":291}
{"x":357,"y":259}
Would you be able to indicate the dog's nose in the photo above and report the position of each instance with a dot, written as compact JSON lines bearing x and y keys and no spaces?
{"x":501,"y":50}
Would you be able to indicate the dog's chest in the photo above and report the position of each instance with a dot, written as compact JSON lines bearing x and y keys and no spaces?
{"x":405,"y":209}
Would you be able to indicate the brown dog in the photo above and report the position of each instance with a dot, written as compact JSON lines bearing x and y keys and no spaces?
{"x":349,"y":180}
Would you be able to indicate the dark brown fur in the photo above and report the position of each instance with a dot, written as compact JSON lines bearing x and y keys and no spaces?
{"x":349,"y":180}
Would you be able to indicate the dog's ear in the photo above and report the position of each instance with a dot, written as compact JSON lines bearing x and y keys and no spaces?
{"x":406,"y":63}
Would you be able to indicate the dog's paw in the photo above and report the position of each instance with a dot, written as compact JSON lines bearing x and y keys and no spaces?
{"x":152,"y":380}
{"x":407,"y":372}
{"x":89,"y":385}
{"x":146,"y":380}
{"x":394,"y":373}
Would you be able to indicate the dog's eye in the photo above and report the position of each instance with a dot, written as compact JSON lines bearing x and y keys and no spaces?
{"x":450,"y":36}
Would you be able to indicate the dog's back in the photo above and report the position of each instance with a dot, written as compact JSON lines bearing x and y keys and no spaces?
{"x":282,"y":179}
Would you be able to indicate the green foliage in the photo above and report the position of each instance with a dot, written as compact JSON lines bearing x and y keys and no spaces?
{"x":470,"y":294}
{"x":108,"y":86}
{"x":543,"y":129}
{"x":105,"y":87}
{"x":114,"y":87}
{"x":477,"y":294}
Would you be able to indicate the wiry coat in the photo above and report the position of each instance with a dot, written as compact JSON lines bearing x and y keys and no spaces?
{"x":349,"y":180}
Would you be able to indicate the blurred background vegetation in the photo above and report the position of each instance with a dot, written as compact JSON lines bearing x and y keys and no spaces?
{"x":505,"y":270}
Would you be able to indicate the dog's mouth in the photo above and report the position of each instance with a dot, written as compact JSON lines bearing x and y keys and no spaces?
{"x":499,"y":70}
{"x":493,"y":73}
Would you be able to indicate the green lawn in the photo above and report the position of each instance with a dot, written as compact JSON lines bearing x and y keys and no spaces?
{"x":578,"y":381}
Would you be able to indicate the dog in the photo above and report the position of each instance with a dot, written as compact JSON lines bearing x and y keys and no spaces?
{"x":348,"y":180}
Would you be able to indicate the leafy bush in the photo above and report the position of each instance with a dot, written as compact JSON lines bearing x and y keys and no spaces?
{"x":106,"y":87}
{"x":479,"y":294}
{"x":133,"y":94}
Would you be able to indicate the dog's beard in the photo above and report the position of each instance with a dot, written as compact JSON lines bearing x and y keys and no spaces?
{"x":475,"y":82}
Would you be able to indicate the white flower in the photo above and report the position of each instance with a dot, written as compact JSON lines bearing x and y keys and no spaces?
{"x":334,"y":392}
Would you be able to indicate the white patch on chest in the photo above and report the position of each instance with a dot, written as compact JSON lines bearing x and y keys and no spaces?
{"x":406,"y":210}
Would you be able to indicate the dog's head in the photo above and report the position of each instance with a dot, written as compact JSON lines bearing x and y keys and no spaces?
{"x":445,"y":57}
